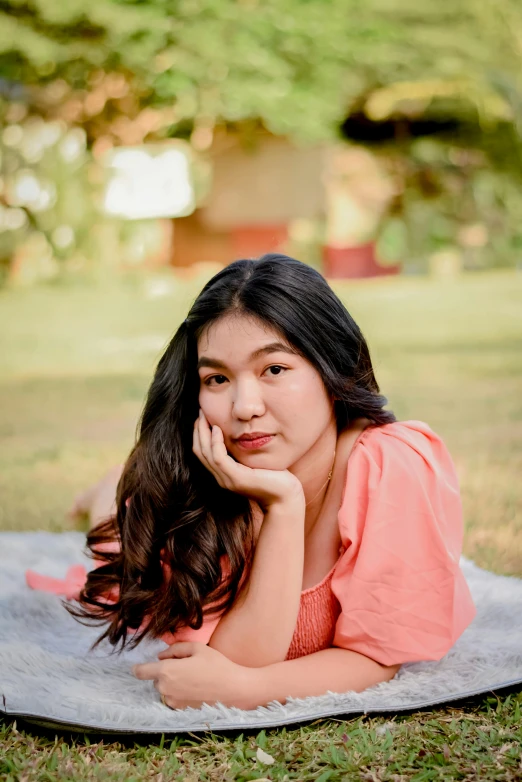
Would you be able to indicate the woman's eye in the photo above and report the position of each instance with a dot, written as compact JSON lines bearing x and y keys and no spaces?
{"x":276,"y":366}
{"x":219,"y":380}
{"x":216,"y":378}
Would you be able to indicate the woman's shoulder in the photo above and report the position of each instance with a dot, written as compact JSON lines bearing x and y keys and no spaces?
{"x":400,"y":451}
{"x":402,"y":430}
{"x":403,"y":596}
{"x":401,"y":436}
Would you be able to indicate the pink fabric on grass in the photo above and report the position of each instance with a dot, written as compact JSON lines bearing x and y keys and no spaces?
{"x":397,"y":593}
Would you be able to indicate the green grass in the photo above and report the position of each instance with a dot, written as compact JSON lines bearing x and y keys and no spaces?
{"x":75,"y":364}
{"x":447,"y":744}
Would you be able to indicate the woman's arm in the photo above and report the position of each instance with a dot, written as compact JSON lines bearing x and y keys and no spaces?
{"x":338,"y":670}
{"x":259,"y":627}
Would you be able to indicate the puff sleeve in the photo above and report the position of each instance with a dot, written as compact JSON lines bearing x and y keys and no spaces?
{"x":402,"y":593}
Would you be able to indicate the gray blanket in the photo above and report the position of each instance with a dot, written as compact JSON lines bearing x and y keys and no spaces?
{"x":48,"y":675}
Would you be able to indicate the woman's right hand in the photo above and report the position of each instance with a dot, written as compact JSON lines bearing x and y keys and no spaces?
{"x":266,"y":487}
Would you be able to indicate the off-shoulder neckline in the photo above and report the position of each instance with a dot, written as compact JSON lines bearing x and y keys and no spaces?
{"x":342,"y":549}
{"x":358,"y":439}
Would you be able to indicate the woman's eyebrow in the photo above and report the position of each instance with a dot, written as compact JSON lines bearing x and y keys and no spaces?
{"x":272,"y":347}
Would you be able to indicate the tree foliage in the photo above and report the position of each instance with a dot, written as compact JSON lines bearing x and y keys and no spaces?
{"x":298,"y":66}
{"x":126,"y":71}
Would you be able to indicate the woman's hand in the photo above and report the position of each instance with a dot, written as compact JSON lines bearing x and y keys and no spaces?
{"x":267,"y":487}
{"x":191,"y":673}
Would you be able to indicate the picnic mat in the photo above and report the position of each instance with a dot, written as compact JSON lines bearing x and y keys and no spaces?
{"x":48,"y":675}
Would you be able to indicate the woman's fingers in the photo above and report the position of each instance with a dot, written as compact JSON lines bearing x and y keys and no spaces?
{"x":219,"y":449}
{"x":204,"y":437}
{"x":209,"y":446}
{"x":201,"y":454}
{"x":197,"y":446}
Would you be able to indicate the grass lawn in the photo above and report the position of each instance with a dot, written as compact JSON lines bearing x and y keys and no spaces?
{"x":75,"y":363}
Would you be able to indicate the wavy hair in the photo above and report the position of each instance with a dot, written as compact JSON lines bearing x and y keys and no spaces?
{"x":167,"y":502}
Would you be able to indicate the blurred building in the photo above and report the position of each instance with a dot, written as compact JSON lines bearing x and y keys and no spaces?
{"x":261,"y":191}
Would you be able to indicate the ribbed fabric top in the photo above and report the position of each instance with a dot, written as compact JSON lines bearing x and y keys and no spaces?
{"x":318,"y":612}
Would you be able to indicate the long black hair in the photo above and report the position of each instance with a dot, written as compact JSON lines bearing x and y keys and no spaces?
{"x":167,"y":501}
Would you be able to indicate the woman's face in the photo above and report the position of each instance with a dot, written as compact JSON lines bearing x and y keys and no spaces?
{"x":252,"y":381}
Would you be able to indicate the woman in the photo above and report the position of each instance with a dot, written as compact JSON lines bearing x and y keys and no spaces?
{"x":279,"y":529}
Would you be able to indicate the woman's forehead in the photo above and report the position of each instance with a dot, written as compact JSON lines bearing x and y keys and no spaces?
{"x":237,"y":332}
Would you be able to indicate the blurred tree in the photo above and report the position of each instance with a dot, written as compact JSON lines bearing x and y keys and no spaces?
{"x":129,"y":70}
{"x":126,"y":69}
{"x":453,"y":195}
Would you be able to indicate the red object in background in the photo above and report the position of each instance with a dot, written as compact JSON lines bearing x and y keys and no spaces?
{"x":251,"y":241}
{"x":354,"y":262}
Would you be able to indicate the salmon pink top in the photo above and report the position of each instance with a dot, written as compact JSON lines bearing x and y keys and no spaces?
{"x":397,"y":593}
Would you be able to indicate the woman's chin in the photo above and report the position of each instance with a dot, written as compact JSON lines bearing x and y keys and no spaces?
{"x":261,"y":461}
{"x":251,"y":459}
{"x":260,"y":458}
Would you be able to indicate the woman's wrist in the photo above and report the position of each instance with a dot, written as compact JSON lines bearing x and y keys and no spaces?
{"x":291,"y":504}
{"x":250,"y":690}
{"x":258,"y":687}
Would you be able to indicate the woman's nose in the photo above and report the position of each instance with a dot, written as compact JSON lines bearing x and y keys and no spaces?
{"x":248,"y":401}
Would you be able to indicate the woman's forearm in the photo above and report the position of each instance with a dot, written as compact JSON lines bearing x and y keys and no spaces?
{"x":258,"y":629}
{"x":334,"y":669}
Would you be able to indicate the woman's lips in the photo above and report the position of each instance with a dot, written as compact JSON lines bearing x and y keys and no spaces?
{"x":259,"y":442}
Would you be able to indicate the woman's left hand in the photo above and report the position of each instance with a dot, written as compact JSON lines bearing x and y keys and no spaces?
{"x":191,"y":673}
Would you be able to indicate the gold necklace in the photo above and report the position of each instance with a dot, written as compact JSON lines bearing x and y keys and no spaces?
{"x":324,"y":484}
